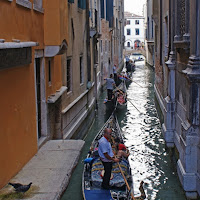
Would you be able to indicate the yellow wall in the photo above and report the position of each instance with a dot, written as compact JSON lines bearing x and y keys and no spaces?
{"x":18,"y":135}
{"x":55,"y":21}
{"x":18,"y":126}
{"x":55,"y":32}
{"x":20,"y":23}
{"x":56,"y":82}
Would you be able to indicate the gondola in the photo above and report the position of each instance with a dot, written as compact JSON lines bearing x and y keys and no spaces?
{"x":121,"y":95}
{"x":130,"y":66}
{"x":110,"y":105}
{"x":139,"y":59}
{"x":92,"y":177}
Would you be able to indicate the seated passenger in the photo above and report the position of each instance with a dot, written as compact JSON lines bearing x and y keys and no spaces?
{"x":120,"y":149}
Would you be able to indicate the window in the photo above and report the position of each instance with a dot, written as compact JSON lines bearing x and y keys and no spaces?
{"x":137,"y":22}
{"x":128,"y":44}
{"x":128,"y":22}
{"x":50,"y":71}
{"x":137,"y":31}
{"x":82,"y":4}
{"x":81,"y":69}
{"x":128,"y":31}
{"x":152,"y":29}
{"x":116,"y":23}
{"x":102,"y":9}
{"x":68,"y":75}
{"x":71,"y":1}
{"x":37,"y":5}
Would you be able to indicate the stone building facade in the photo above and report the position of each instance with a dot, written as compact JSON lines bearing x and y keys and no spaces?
{"x":78,"y":101}
{"x":149,"y":33}
{"x":112,"y":38}
{"x":118,"y":34}
{"x":133,"y":31}
{"x":177,"y":75}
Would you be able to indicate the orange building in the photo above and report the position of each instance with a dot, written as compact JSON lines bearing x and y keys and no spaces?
{"x":33,"y":41}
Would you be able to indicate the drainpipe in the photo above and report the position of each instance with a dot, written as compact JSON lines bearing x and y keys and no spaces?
{"x":88,"y":42}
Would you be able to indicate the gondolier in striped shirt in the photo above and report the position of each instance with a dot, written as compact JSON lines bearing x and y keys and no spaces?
{"x":106,"y":155}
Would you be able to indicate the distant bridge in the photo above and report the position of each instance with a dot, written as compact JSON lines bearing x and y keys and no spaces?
{"x":131,"y":51}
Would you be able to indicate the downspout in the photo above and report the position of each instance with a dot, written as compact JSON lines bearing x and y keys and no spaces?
{"x":88,"y":44}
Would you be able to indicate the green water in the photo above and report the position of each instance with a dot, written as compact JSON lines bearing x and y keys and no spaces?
{"x":149,"y":159}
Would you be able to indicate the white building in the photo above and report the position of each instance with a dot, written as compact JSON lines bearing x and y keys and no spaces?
{"x":133,"y":31}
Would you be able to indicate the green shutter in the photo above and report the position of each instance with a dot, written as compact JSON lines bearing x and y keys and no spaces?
{"x":83,"y":4}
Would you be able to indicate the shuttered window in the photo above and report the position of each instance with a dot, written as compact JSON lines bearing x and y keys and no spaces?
{"x":82,"y":4}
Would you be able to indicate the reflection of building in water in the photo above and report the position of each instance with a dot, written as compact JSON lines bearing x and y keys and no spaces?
{"x":133,"y":31}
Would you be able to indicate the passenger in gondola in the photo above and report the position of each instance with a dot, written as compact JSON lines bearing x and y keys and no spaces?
{"x":110,"y":83}
{"x":123,"y":76}
{"x":120,"y":149}
{"x":120,"y":98}
{"x":107,"y":157}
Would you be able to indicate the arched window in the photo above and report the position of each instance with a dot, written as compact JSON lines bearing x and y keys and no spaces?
{"x":128,"y":44}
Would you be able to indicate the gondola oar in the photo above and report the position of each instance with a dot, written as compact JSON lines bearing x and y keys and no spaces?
{"x":129,"y":189}
{"x":135,"y":82}
{"x":133,"y":105}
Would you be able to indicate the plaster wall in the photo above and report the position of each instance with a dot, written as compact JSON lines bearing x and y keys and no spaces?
{"x":55,"y":22}
{"x":18,"y":131}
{"x":133,"y":37}
{"x":18,"y":135}
{"x":56,"y":75}
{"x":106,"y":49}
{"x":78,"y":103}
{"x":23,"y":24}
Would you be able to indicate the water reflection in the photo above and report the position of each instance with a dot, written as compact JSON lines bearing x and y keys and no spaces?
{"x":142,"y":134}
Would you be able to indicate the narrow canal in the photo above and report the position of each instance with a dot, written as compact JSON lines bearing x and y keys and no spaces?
{"x":149,"y":159}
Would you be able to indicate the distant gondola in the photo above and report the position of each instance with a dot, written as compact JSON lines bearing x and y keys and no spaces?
{"x":121,"y":95}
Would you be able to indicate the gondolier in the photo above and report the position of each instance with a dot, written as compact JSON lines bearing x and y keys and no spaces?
{"x":115,"y":74}
{"x":106,"y":155}
{"x":109,"y":84}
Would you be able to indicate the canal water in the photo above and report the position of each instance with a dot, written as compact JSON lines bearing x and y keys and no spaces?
{"x":149,"y":159}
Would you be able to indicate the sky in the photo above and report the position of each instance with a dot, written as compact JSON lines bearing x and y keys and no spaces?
{"x":134,"y":6}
